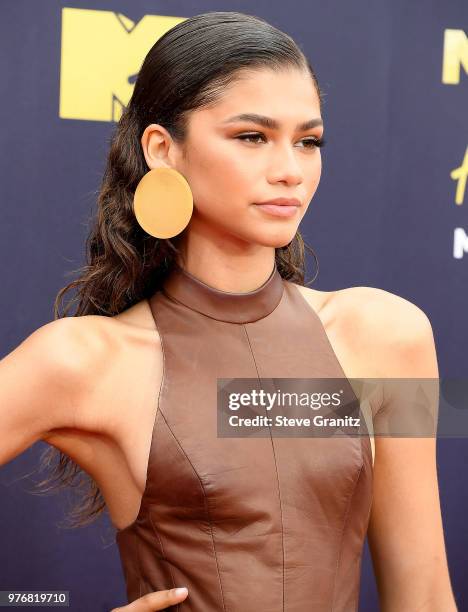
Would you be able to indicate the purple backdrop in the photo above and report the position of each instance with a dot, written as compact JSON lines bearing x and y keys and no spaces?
{"x":384,"y":215}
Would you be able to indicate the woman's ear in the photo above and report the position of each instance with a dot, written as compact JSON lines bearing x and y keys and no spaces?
{"x":157,"y":146}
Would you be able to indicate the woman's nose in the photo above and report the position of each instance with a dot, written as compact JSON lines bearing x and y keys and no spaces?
{"x":286,"y":167}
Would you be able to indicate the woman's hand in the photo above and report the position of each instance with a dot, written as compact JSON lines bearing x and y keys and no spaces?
{"x":159,"y":600}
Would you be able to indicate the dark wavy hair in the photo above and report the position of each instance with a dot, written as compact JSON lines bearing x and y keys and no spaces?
{"x":188,"y":68}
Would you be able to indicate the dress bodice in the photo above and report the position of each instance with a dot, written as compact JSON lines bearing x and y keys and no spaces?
{"x":248,"y":524}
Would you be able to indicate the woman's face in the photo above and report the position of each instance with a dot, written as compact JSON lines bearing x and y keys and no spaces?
{"x":230,"y":173}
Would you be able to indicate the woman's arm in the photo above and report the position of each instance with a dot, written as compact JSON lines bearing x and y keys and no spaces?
{"x":405,"y":534}
{"x":42,"y":383}
{"x":39,"y":386}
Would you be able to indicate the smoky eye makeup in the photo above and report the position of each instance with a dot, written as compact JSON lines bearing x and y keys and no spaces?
{"x":309,"y":142}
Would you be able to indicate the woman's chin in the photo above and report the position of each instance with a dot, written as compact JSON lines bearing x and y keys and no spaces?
{"x":276,"y":239}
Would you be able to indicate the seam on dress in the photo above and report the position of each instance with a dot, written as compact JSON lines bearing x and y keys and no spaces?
{"x":342,"y":532}
{"x":156,"y":533}
{"x":156,"y":417}
{"x":158,"y":410}
{"x":139,"y":565}
{"x":206,"y":507}
{"x":274,"y":457}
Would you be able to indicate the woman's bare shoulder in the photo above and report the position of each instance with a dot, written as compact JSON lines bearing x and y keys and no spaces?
{"x":369,"y":306}
{"x":90,"y":336}
{"x":66,"y":344}
{"x":375,"y":310}
{"x":92,"y":355}
{"x":372,"y":322}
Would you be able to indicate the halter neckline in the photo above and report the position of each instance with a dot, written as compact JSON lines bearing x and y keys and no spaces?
{"x":244,"y":307}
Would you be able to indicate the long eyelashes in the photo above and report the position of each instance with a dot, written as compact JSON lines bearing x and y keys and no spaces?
{"x":312,"y":142}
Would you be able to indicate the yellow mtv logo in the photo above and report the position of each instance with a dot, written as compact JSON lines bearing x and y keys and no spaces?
{"x":460,"y":175}
{"x":101,"y":52}
{"x":455,"y":55}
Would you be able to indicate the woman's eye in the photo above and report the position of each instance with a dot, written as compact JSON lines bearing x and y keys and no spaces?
{"x":314,"y":142}
{"x":309,"y":143}
{"x":249,"y":137}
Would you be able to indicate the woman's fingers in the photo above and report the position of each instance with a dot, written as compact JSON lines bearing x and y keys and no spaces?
{"x":159,"y":600}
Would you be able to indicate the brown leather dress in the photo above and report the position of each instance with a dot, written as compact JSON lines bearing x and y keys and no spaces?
{"x":248,"y":524}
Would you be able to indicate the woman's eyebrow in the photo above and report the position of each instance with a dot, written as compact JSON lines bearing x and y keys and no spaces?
{"x":268,"y":122}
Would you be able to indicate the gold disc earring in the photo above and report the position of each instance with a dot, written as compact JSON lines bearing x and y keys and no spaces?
{"x":163,"y":202}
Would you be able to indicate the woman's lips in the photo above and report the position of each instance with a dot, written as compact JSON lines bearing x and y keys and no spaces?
{"x":278,"y":210}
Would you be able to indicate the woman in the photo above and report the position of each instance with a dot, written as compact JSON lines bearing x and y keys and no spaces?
{"x":226,"y":116}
